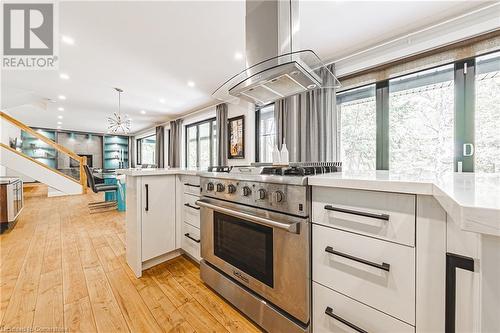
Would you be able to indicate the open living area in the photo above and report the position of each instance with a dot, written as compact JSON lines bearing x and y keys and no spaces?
{"x":281,"y":166}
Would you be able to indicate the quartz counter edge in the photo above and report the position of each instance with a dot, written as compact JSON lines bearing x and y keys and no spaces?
{"x":471,"y":199}
{"x":158,"y":172}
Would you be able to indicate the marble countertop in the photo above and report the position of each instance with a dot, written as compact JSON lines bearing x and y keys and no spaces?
{"x":137,"y":172}
{"x":471,"y":199}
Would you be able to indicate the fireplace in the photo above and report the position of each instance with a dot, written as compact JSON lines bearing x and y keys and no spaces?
{"x":76,"y":164}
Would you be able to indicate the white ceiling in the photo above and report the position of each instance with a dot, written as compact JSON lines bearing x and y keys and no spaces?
{"x":152,"y":49}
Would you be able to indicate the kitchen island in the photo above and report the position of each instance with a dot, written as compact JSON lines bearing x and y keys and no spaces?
{"x":390,"y":251}
{"x":160,"y":210}
{"x":438,"y":238}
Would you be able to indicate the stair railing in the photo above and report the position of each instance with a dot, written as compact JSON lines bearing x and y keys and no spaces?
{"x":59,"y":148}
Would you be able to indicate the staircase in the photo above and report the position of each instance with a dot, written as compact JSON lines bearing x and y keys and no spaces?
{"x":13,"y":158}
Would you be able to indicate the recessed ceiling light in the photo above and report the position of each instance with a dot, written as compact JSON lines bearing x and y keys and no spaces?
{"x":67,"y":40}
{"x":61,"y":97}
{"x":60,"y":109}
{"x":162,"y":100}
{"x":143,"y":112}
{"x":59,"y":117}
{"x":190,"y":84}
{"x":64,"y":76}
{"x":59,"y":123}
{"x":238,"y":55}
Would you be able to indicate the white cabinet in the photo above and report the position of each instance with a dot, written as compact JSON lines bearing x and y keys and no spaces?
{"x":158,"y":216}
{"x":383,"y":215}
{"x":378,"y":273}
{"x":190,"y":216}
{"x":150,"y":220}
{"x":334,"y":312}
{"x":191,"y":241}
{"x":190,"y":210}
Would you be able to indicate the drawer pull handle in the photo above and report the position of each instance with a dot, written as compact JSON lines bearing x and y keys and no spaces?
{"x":192,"y":185}
{"x":384,"y":266}
{"x":329,"y":312}
{"x":384,"y":217}
{"x":191,"y":238}
{"x":188,"y":205}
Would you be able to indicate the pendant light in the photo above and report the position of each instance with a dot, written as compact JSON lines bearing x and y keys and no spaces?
{"x":119,"y":123}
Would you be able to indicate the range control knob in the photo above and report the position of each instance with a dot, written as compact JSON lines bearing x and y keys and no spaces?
{"x":210,"y":187}
{"x":220,"y":187}
{"x":262,"y":194}
{"x":246,"y":191}
{"x":231,"y":188}
{"x":278,"y":197}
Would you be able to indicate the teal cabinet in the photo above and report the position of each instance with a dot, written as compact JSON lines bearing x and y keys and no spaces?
{"x":115,"y":152}
{"x":39,"y":150}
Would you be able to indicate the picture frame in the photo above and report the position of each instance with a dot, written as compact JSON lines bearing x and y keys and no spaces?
{"x":236,"y":137}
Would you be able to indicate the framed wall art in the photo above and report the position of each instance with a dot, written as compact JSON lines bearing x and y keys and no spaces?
{"x":236,"y":138}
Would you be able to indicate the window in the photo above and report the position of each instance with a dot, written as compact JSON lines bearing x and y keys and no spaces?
{"x":421,"y":121}
{"x":146,"y":150}
{"x":265,"y":133}
{"x":201,"y":144}
{"x":357,"y":132}
{"x":487,"y":113}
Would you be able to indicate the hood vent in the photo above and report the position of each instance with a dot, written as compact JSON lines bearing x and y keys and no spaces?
{"x":275,"y":70}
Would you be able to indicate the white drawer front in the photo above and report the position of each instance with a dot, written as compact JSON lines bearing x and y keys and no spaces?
{"x":382,"y":215}
{"x":191,"y":211}
{"x":342,"y":308}
{"x":191,"y":184}
{"x":190,"y":240}
{"x":391,"y":290}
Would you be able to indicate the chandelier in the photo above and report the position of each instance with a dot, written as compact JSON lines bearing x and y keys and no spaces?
{"x":119,"y":123}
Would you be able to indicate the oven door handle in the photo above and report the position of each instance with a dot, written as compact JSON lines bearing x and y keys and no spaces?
{"x":290,"y":227}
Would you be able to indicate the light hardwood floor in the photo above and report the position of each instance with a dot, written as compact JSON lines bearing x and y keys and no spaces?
{"x":63,"y":269}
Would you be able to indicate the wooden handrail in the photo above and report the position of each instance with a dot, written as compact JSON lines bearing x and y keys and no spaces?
{"x":38,"y":162}
{"x":81,"y":159}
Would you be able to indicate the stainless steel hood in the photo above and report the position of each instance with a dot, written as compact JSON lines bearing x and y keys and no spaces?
{"x":276,"y":67}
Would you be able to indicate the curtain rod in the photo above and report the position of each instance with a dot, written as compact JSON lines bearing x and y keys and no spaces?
{"x":415,"y":32}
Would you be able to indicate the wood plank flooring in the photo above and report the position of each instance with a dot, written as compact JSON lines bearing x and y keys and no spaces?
{"x":64,"y":270}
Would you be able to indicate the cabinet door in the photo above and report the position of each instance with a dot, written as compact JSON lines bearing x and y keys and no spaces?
{"x":158,"y":216}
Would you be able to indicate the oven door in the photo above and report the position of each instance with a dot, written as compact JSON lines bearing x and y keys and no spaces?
{"x":265,"y":251}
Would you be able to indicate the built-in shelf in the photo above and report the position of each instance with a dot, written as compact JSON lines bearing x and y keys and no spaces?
{"x":115,"y":152}
{"x":31,"y":144}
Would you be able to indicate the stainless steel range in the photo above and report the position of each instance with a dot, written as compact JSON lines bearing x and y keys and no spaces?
{"x":255,"y":241}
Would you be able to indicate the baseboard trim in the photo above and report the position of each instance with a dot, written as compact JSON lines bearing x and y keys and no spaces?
{"x":160,"y":259}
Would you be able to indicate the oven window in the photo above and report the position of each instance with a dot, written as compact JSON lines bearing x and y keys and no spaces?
{"x":245,"y":245}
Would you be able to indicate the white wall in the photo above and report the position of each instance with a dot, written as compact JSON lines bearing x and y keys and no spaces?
{"x":8,"y":132}
{"x":248,"y":110}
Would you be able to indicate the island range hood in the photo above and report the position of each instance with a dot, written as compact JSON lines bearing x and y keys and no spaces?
{"x":276,"y":67}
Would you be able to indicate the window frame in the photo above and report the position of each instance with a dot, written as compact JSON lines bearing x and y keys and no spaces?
{"x":464,"y":116}
{"x":139,"y":148}
{"x":211,"y":122}
{"x":339,"y":121}
{"x":258,"y":108}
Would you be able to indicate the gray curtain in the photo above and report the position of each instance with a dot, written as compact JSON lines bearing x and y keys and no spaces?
{"x":160,"y":146}
{"x":307,"y":124}
{"x":222,"y":144}
{"x":174,"y":144}
{"x":131,"y":151}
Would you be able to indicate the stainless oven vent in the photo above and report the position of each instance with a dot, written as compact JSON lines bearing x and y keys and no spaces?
{"x":276,"y":67}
